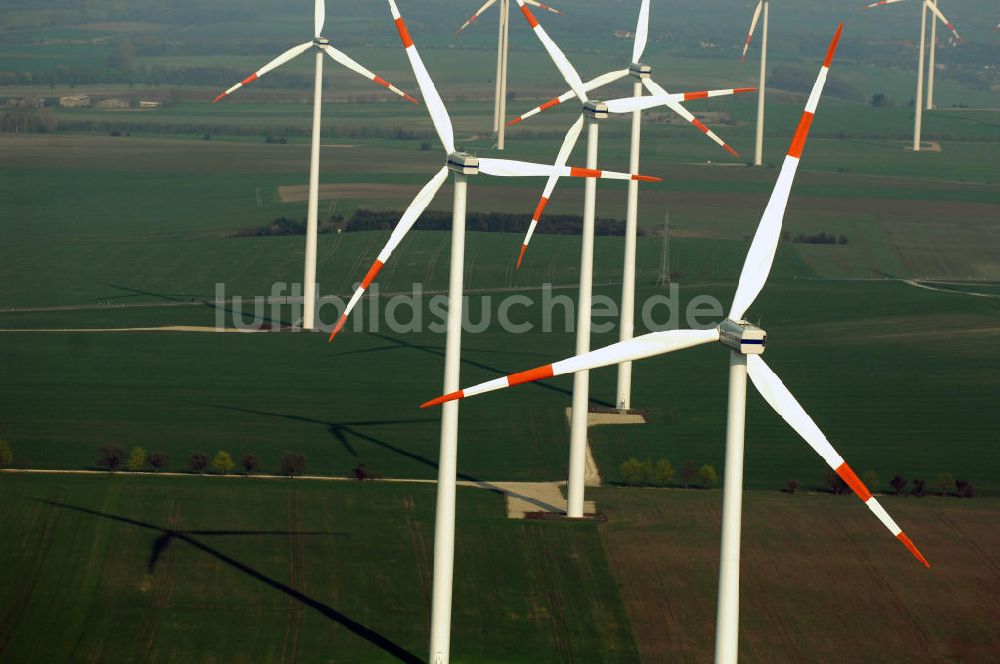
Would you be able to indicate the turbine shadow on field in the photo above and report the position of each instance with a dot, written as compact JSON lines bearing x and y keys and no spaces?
{"x":357,"y":628}
{"x":340,"y":431}
{"x":439,"y":351}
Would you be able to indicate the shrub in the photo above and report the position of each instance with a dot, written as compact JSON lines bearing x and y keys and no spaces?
{"x":964,"y":489}
{"x":198,"y":462}
{"x":631,"y":471}
{"x":159,"y":461}
{"x":111,"y":457}
{"x":707,"y":476}
{"x":223,"y":463}
{"x":293,"y":463}
{"x":919,"y":488}
{"x":792,"y":486}
{"x":835,"y":483}
{"x":250,"y":463}
{"x":136,"y":459}
{"x":663,"y":472}
{"x":898,"y":483}
{"x":688,"y":472}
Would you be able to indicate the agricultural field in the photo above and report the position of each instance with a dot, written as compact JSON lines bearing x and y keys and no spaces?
{"x":127,"y":241}
{"x":297,"y":569}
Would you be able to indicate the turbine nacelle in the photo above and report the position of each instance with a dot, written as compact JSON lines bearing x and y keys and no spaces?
{"x":742,"y":337}
{"x":639,"y":70}
{"x":595,"y":110}
{"x":320,"y":42}
{"x":464,"y":163}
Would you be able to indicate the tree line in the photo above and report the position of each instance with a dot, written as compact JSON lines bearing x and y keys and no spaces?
{"x":486,"y":222}
{"x":113,"y":458}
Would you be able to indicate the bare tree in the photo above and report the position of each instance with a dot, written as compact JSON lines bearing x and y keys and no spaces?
{"x":159,"y":461}
{"x":293,"y":463}
{"x":198,"y":462}
{"x":688,"y":472}
{"x":250,"y":463}
{"x":111,"y":457}
{"x":898,"y":483}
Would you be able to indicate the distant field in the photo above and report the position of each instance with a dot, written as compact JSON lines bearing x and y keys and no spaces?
{"x":123,"y":569}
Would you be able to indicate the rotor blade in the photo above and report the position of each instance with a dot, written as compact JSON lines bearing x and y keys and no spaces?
{"x":320,"y":17}
{"x":629,"y":104}
{"x":290,"y":54}
{"x":765,"y":241}
{"x":507,"y":168}
{"x":647,"y":345}
{"x":535,"y":3}
{"x":410,"y":216}
{"x":486,"y":5}
{"x":776,"y":394}
{"x":439,"y":114}
{"x":937,"y":12}
{"x":753,"y":26}
{"x":569,"y":142}
{"x":343,"y":59}
{"x":641,"y":31}
{"x":882,"y":2}
{"x":600,"y":81}
{"x":558,"y":58}
{"x":655,"y":88}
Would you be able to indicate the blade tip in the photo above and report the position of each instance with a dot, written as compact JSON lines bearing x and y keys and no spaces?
{"x":442,"y":399}
{"x":336,"y":330}
{"x":520,"y":256}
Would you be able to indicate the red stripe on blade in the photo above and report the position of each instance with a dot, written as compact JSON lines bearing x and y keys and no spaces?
{"x":532,"y":21}
{"x":542,"y":202}
{"x":730,"y":150}
{"x":515,"y":121}
{"x":646,"y":178}
{"x":221,"y":95}
{"x":737,"y":91}
{"x":338,"y":328}
{"x":530,"y":375}
{"x":833,"y":46}
{"x":851,"y":479}
{"x":801,"y":134}
{"x":584,"y":173}
{"x":695,"y":95}
{"x":520,"y":256}
{"x":913,"y":549}
{"x":697,"y":123}
{"x":409,"y":98}
{"x":549,"y":104}
{"x":440,"y":400}
{"x":372,"y":273}
{"x":249,"y":79}
{"x":404,"y":34}
{"x":381,"y":81}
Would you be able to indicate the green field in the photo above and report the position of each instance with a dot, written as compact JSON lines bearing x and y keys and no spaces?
{"x":109,"y":569}
{"x":199,"y":569}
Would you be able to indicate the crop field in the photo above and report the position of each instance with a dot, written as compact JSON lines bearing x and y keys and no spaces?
{"x":129,"y":237}
{"x":133,"y":568}
{"x":118,"y":569}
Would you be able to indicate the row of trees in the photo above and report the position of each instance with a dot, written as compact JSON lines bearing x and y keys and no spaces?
{"x":113,"y":457}
{"x":646,"y":472}
{"x":490,"y":222}
{"x":945,"y":484}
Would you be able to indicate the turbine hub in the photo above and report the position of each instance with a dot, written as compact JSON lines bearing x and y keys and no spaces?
{"x":321,"y":41}
{"x":742,"y":337}
{"x":595,"y":110}
{"x":464,"y":163}
{"x":639,"y":70}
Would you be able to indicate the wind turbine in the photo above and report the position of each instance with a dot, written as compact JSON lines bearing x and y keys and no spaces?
{"x":321,"y":45}
{"x":926,"y":5}
{"x":746,"y":344}
{"x":463,"y":165}
{"x":762,"y":7}
{"x":642,"y":74}
{"x":503,"y":46}
{"x":592,"y":111}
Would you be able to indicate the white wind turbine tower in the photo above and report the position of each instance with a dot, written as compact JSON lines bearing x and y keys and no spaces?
{"x":746,"y":344}
{"x":592,"y":111}
{"x":926,"y":5}
{"x":503,"y":47}
{"x":642,"y":73}
{"x":463,"y":165}
{"x":321,"y":45}
{"x":762,"y":7}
